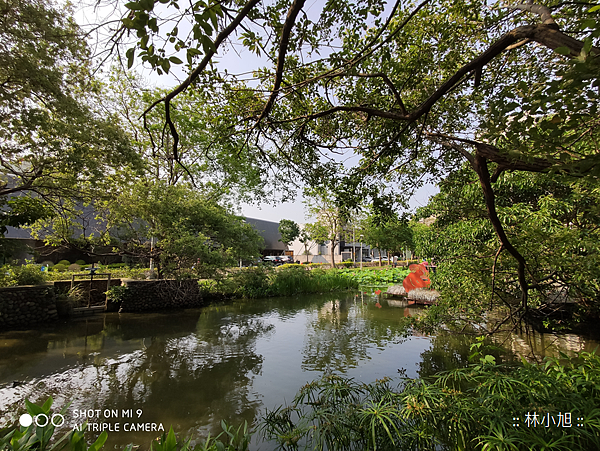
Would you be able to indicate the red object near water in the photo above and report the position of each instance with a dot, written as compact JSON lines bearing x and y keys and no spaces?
{"x":378,"y":292}
{"x":378,"y":305}
{"x":418,"y":278}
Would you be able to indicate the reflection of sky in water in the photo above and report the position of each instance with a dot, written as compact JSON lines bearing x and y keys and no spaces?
{"x":194,"y":368}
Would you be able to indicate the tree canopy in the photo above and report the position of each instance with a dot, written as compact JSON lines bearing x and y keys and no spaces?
{"x":404,"y":92}
{"x":54,"y":141}
{"x":289,"y":231}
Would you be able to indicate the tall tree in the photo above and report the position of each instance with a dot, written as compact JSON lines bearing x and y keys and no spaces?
{"x":330,"y":220}
{"x":508,"y":88}
{"x":289,"y":231}
{"x":551,"y":219}
{"x":54,"y":142}
{"x":175,"y":225}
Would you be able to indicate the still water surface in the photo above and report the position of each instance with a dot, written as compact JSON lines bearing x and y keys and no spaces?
{"x":193,"y":368}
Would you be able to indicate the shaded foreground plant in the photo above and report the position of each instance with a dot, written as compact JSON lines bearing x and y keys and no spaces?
{"x":481,"y":407}
{"x":37,"y":438}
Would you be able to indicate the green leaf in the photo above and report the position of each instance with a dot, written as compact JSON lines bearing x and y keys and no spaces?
{"x":99,"y":443}
{"x":594,"y":8}
{"x":33,"y":409}
{"x":130,"y":56}
{"x":562,"y":50}
{"x":175,"y":60}
{"x":133,"y":6}
{"x":171,"y":442}
{"x":47,"y":405}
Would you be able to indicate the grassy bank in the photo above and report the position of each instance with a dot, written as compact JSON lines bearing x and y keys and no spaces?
{"x":265,"y":281}
{"x":289,"y":280}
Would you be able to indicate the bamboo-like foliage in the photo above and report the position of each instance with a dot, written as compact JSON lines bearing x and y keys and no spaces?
{"x":485,"y":406}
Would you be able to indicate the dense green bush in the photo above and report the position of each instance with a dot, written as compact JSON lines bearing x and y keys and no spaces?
{"x":13,"y":275}
{"x":116,"y":273}
{"x":64,"y":262}
{"x":114,"y":265}
{"x":118,"y":293}
{"x":253,"y":282}
{"x":81,"y":262}
{"x":372,"y":276}
{"x":59,"y":267}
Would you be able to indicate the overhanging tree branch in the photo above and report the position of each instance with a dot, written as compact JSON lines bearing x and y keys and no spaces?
{"x":283,"y":46}
{"x":197,"y":71}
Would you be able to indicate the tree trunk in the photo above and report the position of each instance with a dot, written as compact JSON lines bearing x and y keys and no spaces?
{"x":332,"y":254}
{"x":480,"y":166}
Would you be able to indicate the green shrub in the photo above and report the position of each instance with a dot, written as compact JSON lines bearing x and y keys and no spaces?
{"x":118,"y":293}
{"x":74,"y":267}
{"x":253,"y":282}
{"x":81,"y":262}
{"x":116,"y":273}
{"x":291,"y":279}
{"x":289,"y":265}
{"x":59,"y":267}
{"x":64,"y":262}
{"x":29,"y":274}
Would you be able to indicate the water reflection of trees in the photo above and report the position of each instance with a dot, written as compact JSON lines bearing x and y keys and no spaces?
{"x":452,"y":350}
{"x":189,"y":372}
{"x":345,"y":329}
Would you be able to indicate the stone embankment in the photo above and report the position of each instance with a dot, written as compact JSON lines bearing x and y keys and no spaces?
{"x":147,"y":295}
{"x":419,"y":295}
{"x":25,"y":306}
{"x":29,"y":306}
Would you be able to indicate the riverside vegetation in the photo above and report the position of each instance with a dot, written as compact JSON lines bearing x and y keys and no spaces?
{"x":287,"y":280}
{"x":474,"y":408}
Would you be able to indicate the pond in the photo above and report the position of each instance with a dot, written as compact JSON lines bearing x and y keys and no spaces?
{"x":193,"y":368}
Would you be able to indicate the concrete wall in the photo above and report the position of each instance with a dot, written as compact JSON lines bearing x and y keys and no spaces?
{"x":25,"y":306}
{"x":144,"y":295}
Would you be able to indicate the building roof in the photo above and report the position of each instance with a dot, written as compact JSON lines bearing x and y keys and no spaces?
{"x":270,"y":232}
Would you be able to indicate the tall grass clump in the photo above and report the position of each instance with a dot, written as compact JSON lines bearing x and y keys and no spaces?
{"x":296,"y":280}
{"x":376,"y":276}
{"x":265,"y":281}
{"x":486,"y":406}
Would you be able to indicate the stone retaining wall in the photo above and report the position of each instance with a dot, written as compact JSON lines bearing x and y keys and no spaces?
{"x":144,"y":295}
{"x":27,"y":306}
{"x":24,"y":306}
{"x":98,"y":289}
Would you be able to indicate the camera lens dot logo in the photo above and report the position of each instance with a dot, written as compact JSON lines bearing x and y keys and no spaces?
{"x":42,"y":420}
{"x":25,"y":420}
